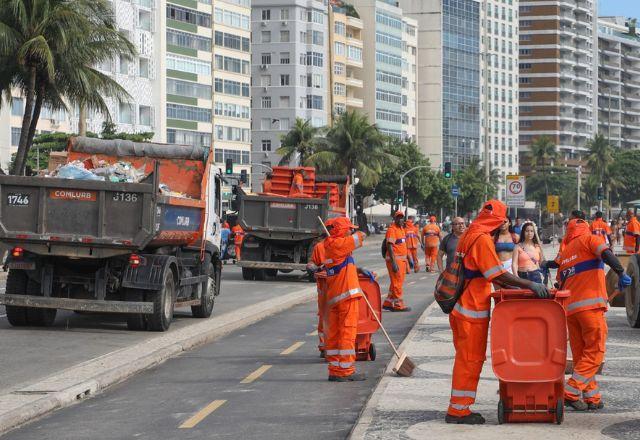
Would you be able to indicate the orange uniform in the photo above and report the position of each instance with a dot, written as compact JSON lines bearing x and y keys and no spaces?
{"x":343,"y":291}
{"x":266,"y":186}
{"x":238,"y":237}
{"x":431,"y":238}
{"x":398,"y":240}
{"x":413,"y":240}
{"x":631,"y":234}
{"x":582,"y":272}
{"x":316,"y":264}
{"x":601,"y":228}
{"x":297,"y":187}
{"x":469,"y":319}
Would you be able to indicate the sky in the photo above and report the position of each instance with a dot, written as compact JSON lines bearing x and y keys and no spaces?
{"x":625,"y":8}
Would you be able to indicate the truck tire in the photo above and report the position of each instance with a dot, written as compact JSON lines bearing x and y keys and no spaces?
{"x":632,"y":293}
{"x":272,"y":273}
{"x":39,"y":317}
{"x":207,"y":297}
{"x":163,"y":303}
{"x":17,"y":285}
{"x":218,"y":269}
{"x":247,"y":274}
{"x":259,"y":275}
{"x":135,"y":321}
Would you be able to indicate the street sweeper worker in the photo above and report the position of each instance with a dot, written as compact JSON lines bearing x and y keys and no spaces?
{"x":315,"y":265}
{"x":631,"y":241}
{"x":600,"y":227}
{"x":469,"y":319}
{"x":238,"y":238}
{"x":431,"y":242}
{"x":581,"y":269}
{"x":342,"y":293}
{"x":413,"y":240}
{"x":396,"y":260}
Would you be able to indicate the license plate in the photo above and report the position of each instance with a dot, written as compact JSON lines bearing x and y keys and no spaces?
{"x":17,"y":199}
{"x":22,"y":265}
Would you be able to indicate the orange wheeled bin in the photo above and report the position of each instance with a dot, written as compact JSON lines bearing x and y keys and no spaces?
{"x":529,"y":354}
{"x":367,"y":324}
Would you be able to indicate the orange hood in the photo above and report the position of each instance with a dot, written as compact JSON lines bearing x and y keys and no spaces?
{"x":490,"y":218}
{"x":576,"y":228}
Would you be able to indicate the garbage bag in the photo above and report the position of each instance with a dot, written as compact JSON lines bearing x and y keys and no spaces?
{"x":73,"y":171}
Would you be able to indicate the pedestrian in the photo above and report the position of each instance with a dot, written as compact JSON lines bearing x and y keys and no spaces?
{"x":505,"y":240}
{"x":581,"y":269}
{"x":396,"y":259}
{"x":238,"y":237}
{"x":431,"y":241}
{"x":469,"y":319}
{"x":225,"y":233}
{"x":517,"y":228}
{"x":317,"y":265}
{"x":412,"y":242}
{"x":620,"y":231}
{"x":528,"y":255}
{"x":297,"y":186}
{"x":450,"y":242}
{"x":600,"y":227}
{"x":342,"y":293}
{"x":631,"y":233}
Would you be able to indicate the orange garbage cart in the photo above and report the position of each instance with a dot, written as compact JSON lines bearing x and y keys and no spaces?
{"x":529,"y":354}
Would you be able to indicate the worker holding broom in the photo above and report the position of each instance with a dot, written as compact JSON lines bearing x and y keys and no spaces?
{"x":469,"y":319}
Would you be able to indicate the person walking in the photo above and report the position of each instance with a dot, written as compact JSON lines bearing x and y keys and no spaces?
{"x":450,"y":242}
{"x":505,"y":240}
{"x":431,"y":241}
{"x":528,"y":255}
{"x":412,"y":242}
{"x":396,"y":260}
{"x":600,"y":227}
{"x":632,"y":233}
{"x":238,"y":237}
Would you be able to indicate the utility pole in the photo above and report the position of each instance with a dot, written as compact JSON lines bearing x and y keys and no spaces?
{"x":579,"y":183}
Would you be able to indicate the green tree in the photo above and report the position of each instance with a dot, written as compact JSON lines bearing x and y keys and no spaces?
{"x":439,"y":193}
{"x":416,"y":184}
{"x":109,"y":132}
{"x":562,"y":181}
{"x":625,"y":167}
{"x":299,"y":142}
{"x":600,"y":160}
{"x":48,"y":50}
{"x":353,"y":143}
{"x":543,"y":152}
{"x":471,"y":180}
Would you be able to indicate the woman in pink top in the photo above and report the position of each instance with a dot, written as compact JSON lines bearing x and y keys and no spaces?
{"x":528,"y":255}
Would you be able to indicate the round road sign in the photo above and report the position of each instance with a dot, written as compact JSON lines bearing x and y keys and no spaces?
{"x":515,"y":187}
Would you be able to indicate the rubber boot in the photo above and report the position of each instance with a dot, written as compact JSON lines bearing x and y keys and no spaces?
{"x":471,"y":419}
{"x":577,"y":405}
{"x":595,"y":406}
{"x":355,"y":377}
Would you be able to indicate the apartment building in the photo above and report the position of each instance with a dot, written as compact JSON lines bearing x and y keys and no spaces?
{"x":410,"y":79}
{"x":619,"y":82}
{"x":558,"y":75}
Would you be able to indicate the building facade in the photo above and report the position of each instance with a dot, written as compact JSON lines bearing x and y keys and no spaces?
{"x":558,"y":75}
{"x":619,"y":82}
{"x":410,"y":79}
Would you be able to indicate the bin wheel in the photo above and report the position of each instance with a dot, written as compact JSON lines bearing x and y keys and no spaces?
{"x":247,"y":274}
{"x":632,"y":293}
{"x":500,"y":412}
{"x":559,"y":411}
{"x":372,"y":352}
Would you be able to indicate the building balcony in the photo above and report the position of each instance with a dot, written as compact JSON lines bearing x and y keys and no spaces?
{"x":354,"y":102}
{"x":354,"y":82}
{"x":355,"y":23}
{"x":631,"y":55}
{"x":353,"y":63}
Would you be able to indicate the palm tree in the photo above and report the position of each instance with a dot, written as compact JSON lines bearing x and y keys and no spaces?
{"x":543,"y":151}
{"x":48,"y":49}
{"x":353,"y":143}
{"x":300,"y":141}
{"x":600,"y":161}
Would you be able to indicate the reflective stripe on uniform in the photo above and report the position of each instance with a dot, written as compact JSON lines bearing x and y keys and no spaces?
{"x":591,"y":393}
{"x":341,"y":364}
{"x":489,"y":272}
{"x":399,"y":241}
{"x":580,"y":378}
{"x":471,"y":313}
{"x":459,"y":407}
{"x":340,"y":352}
{"x":335,"y":270}
{"x":571,"y":389}
{"x":463,"y":393}
{"x":344,"y":295}
{"x":583,"y":266}
{"x":587,"y":302}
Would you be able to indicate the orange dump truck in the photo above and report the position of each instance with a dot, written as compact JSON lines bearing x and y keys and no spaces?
{"x":140,"y":243}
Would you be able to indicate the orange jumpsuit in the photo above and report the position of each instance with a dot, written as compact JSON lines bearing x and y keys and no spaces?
{"x":601,"y":228}
{"x":582,"y":272}
{"x":266,"y":186}
{"x":469,"y":319}
{"x":237,"y":239}
{"x":297,"y":187}
{"x":412,"y":243}
{"x":431,"y":237}
{"x":397,"y":238}
{"x":631,"y":235}
{"x":343,"y":291}
{"x":317,"y":264}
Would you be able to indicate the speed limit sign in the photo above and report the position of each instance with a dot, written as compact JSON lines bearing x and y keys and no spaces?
{"x":515,"y":191}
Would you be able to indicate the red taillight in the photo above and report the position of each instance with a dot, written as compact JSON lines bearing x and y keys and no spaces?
{"x":134,"y":260}
{"x":17,"y":252}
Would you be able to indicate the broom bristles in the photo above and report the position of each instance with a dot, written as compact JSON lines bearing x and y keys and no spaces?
{"x":405,"y":366}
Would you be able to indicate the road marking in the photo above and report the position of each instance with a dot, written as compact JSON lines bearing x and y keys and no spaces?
{"x":293,"y":348}
{"x":200,"y":415}
{"x":313,"y":333}
{"x":256,"y":374}
{"x":411,"y":282}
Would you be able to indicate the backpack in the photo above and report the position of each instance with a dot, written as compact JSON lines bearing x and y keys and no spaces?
{"x":451,"y":282}
{"x":383,"y":249}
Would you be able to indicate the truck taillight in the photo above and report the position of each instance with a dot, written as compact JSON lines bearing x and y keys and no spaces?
{"x":17,"y":252}
{"x":134,"y":260}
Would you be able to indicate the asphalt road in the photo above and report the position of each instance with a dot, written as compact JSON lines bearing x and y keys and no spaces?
{"x":264,"y":381}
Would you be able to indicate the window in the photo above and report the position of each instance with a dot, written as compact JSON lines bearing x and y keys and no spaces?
{"x":525,"y":80}
{"x":266,"y":102}
{"x":303,"y":37}
{"x":144,"y":115}
{"x":232,"y":134}
{"x":190,"y":65}
{"x":265,"y":124}
{"x":525,"y":124}
{"x":339,"y":108}
{"x":183,"y":137}
{"x":230,"y":87}
{"x":188,"y":89}
{"x":15,"y":136}
{"x":317,"y":38}
{"x":265,"y":80}
{"x":340,"y":28}
{"x":266,"y":36}
{"x":17,"y":107}
{"x":231,"y":41}
{"x":284,"y":80}
{"x":315,"y":16}
{"x":389,"y":78}
{"x":125,"y":115}
{"x":266,"y":144}
{"x":284,"y":36}
{"x":354,"y":53}
{"x":231,"y":64}
{"x":236,"y":156}
{"x":314,"y":59}
{"x":188,"y":16}
{"x":338,"y":69}
{"x":231,"y":110}
{"x":284,"y":58}
{"x":266,"y":58}
{"x":525,"y":23}
{"x":284,"y":102}
{"x":143,"y":67}
{"x":233,"y":19}
{"x":284,"y":14}
{"x":285,"y":124}
{"x":525,"y":95}
{"x":188,"y":113}
{"x":315,"y":80}
{"x":266,"y":14}
{"x":525,"y":66}
{"x":339,"y":48}
{"x":383,"y":57}
{"x":388,"y":115}
{"x":314,"y":102}
{"x":191,"y":41}
{"x":387,"y":96}
{"x":389,"y":40}
{"x":124,"y":65}
{"x":388,"y":20}
{"x":144,"y":20}
{"x":340,"y":89}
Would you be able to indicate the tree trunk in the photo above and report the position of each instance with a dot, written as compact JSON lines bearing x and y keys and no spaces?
{"x":82,"y":120}
{"x":34,"y":123}
{"x":23,"y":144}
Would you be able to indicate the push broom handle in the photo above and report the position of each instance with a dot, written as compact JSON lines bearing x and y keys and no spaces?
{"x":375,"y":315}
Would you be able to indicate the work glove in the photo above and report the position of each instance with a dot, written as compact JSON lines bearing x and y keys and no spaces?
{"x":540,"y":290}
{"x":624,"y":281}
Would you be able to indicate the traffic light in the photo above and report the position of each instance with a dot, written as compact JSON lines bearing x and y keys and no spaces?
{"x":228,"y":166}
{"x":400,"y":197}
{"x":600,"y":193}
{"x":244,"y":178}
{"x":447,"y":170}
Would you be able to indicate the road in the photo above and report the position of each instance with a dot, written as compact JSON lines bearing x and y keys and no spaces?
{"x":263,"y":381}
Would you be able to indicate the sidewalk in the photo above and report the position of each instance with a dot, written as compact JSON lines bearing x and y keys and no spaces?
{"x":414,"y":408}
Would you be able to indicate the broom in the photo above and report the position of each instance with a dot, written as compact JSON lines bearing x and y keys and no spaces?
{"x":405,"y":366}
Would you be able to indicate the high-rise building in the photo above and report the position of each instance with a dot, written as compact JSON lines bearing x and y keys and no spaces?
{"x":619,"y":82}
{"x":558,"y":75}
{"x":448,"y":73}
{"x":410,"y":79}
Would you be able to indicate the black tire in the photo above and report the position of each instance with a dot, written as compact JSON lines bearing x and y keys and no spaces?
{"x":163,"y":303}
{"x":39,"y":317}
{"x":218,"y":268}
{"x":632,"y":293}
{"x":207,"y":298}
{"x":17,"y":285}
{"x":559,"y":411}
{"x":372,"y":352}
{"x":271,"y":273}
{"x":500,"y":412}
{"x":135,"y":321}
{"x":248,"y":274}
{"x":259,"y":275}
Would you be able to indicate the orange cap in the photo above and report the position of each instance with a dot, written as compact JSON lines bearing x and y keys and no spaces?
{"x":398,"y":214}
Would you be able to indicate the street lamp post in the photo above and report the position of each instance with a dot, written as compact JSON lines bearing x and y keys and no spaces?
{"x":579,"y":184}
{"x":409,"y":171}
{"x":263,"y":165}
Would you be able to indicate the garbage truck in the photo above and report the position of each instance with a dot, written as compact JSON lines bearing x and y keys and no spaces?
{"x":105,"y":240}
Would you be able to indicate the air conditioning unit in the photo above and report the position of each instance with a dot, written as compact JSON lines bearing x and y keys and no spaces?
{"x":284,"y":23}
{"x":263,"y":67}
{"x":263,"y":24}
{"x":264,"y":89}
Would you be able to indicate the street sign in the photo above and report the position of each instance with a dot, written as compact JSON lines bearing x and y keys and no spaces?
{"x":455,"y":191}
{"x":515,"y":191}
{"x":553,"y":204}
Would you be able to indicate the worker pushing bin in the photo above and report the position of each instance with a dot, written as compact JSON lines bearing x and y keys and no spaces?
{"x":529,"y":354}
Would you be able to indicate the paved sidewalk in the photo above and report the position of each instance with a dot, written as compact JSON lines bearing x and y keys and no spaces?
{"x":414,"y":408}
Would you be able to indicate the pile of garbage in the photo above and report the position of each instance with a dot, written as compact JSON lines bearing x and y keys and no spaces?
{"x":96,"y":169}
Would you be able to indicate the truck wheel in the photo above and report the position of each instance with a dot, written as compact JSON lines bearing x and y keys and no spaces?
{"x":35,"y":316}
{"x":135,"y":321}
{"x":218,"y":269}
{"x":632,"y":293}
{"x":163,"y":302}
{"x":247,"y":274}
{"x":259,"y":275}
{"x":17,"y":285}
{"x":207,"y":296}
{"x":272,"y":273}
